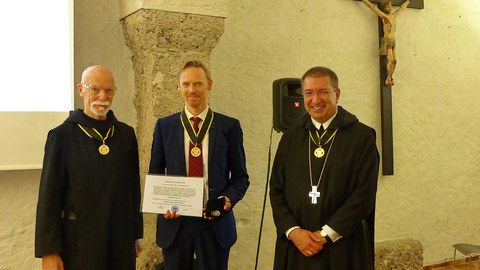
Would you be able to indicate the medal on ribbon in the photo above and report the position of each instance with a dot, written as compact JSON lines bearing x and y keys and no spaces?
{"x":196,"y":137}
{"x":103,"y":149}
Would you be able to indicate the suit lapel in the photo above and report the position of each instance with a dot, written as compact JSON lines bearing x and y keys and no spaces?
{"x":180,"y":144}
{"x":212,"y":136}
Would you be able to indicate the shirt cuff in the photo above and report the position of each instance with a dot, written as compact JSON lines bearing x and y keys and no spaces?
{"x":290,"y":230}
{"x":331,"y":233}
{"x":226,"y":198}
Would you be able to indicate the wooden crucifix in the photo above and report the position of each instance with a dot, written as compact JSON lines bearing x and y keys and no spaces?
{"x":386,"y":30}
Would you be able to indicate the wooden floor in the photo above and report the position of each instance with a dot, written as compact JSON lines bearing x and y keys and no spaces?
{"x":464,"y":267}
{"x":458,"y":265}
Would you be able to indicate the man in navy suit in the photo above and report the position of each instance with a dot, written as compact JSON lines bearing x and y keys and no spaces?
{"x":199,"y":142}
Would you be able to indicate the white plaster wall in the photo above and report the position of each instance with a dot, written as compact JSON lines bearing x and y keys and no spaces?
{"x":433,"y":196}
{"x":18,"y":200}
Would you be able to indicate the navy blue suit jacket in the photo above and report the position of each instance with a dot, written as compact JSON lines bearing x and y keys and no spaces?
{"x":227,"y":172}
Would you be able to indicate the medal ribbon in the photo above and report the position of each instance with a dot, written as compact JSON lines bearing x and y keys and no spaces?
{"x":194,"y":137}
{"x":319,"y":144}
{"x":96,"y":135}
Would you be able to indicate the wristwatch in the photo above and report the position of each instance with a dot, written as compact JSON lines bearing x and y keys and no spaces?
{"x":325,"y":235}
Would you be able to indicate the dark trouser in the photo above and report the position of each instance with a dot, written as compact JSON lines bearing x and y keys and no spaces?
{"x":195,"y":236}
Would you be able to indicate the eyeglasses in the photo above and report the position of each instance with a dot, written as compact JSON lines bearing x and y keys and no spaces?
{"x":109,"y":92}
{"x":322,"y":92}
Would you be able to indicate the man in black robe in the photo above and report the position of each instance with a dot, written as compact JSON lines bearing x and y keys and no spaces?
{"x":323,"y":184}
{"x":88,"y":212}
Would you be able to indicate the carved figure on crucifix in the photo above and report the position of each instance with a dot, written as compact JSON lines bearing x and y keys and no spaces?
{"x":387,"y":46}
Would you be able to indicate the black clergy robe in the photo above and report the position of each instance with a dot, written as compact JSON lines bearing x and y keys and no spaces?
{"x":347,"y":194}
{"x":102,"y":190}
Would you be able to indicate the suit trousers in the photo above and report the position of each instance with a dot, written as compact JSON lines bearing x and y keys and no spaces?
{"x":195,"y":237}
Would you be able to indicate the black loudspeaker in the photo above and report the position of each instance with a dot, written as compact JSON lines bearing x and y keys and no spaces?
{"x":288,"y":107}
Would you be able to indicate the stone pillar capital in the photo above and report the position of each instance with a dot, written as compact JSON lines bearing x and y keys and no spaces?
{"x":215,"y":8}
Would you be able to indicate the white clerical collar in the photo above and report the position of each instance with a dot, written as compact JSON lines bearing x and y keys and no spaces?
{"x":325,"y":125}
{"x":202,"y":115}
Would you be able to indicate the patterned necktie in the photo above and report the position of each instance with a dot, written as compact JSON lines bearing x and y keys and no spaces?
{"x":195,"y":164}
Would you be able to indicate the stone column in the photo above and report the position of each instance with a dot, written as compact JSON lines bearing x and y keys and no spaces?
{"x":399,"y":254}
{"x":161,"y":42}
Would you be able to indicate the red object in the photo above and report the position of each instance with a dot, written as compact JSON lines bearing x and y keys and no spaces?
{"x":195,"y":164}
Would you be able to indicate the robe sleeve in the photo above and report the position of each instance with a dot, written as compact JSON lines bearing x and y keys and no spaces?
{"x":138,"y":216}
{"x":282,"y":215}
{"x":360,"y":204}
{"x":48,"y":233}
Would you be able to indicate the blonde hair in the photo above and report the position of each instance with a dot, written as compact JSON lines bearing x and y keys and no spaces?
{"x":196,"y":64}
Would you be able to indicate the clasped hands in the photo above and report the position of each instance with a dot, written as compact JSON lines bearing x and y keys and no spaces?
{"x":307,"y":242}
{"x":175,"y":215}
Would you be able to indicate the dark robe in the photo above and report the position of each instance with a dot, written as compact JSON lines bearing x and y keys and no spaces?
{"x":347,"y":201}
{"x":102,"y":190}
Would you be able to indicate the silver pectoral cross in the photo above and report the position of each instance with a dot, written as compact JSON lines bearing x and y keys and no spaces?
{"x":314,"y":194}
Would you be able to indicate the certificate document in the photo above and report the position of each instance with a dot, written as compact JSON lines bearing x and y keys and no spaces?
{"x":175,"y":193}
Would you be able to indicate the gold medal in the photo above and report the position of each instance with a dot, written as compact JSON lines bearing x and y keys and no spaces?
{"x":103,"y":149}
{"x":319,"y":152}
{"x":195,"y":151}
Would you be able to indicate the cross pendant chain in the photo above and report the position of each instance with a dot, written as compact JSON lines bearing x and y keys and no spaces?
{"x":314,"y":194}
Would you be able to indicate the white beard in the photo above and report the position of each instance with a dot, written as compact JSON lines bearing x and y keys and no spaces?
{"x":100,"y":112}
